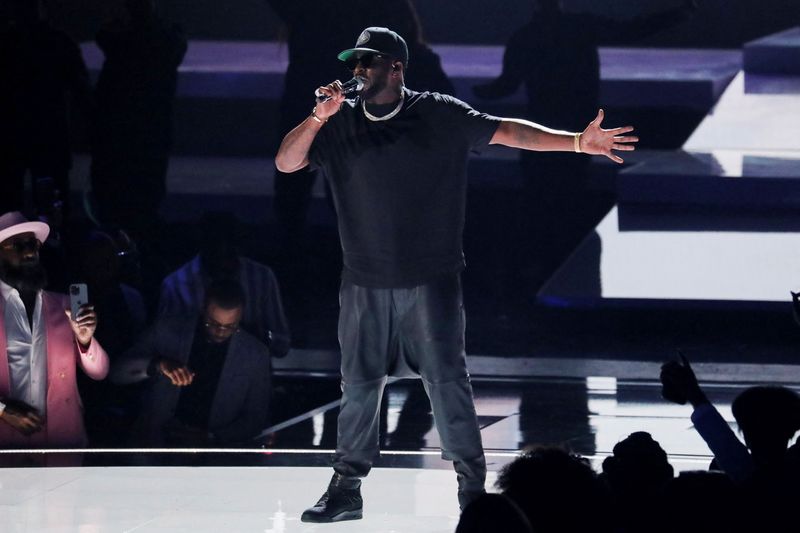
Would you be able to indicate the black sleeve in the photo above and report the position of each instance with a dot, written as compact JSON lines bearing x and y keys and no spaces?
{"x":477,"y":128}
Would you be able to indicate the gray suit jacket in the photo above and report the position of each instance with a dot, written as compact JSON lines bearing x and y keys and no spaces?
{"x":241,"y":403}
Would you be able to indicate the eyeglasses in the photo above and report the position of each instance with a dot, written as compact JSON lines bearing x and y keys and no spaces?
{"x":366,"y":61}
{"x":223,"y":328}
{"x":22,"y":245}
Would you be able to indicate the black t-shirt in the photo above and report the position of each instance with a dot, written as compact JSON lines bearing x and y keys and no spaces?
{"x":399,"y":186}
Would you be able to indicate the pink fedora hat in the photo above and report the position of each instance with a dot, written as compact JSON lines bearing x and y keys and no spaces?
{"x":14,"y":223}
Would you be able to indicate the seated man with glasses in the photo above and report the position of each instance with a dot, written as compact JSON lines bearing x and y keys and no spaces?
{"x":209,"y":380}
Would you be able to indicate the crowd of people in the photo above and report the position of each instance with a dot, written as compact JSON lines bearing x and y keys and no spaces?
{"x":202,"y":360}
{"x":749,"y":486}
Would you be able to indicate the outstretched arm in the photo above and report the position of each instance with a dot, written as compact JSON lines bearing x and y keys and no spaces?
{"x":594,"y":140}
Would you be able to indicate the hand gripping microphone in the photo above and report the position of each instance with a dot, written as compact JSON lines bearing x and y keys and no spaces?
{"x":349,"y":88}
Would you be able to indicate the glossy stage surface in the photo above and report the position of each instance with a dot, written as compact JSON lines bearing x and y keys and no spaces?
{"x":411,"y":489}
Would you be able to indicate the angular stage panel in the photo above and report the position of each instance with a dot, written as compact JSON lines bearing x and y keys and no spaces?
{"x":722,"y":180}
{"x":668,"y":268}
{"x":774,"y":54}
{"x":749,"y":121}
{"x":660,"y":77}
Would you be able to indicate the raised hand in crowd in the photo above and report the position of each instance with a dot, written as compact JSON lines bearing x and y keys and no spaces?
{"x":796,"y":305}
{"x":679,"y":383}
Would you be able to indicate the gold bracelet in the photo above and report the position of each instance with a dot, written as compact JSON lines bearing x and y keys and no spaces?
{"x":578,"y":143}
{"x":315,"y":117}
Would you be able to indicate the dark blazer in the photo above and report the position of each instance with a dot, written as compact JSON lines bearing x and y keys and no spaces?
{"x":241,"y":403}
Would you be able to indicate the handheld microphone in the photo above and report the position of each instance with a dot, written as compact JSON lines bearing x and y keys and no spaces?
{"x":349,"y":88}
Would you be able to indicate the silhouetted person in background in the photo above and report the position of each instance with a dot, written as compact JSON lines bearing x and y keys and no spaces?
{"x":41,"y":74}
{"x":132,"y":133}
{"x":636,"y":475}
{"x":50,"y":210}
{"x":700,"y":502}
{"x":183,"y":291}
{"x":767,"y":416}
{"x":558,"y":492}
{"x":555,"y":55}
{"x":764,"y":465}
{"x":318,"y":30}
{"x":109,"y":410}
{"x":493,"y":512}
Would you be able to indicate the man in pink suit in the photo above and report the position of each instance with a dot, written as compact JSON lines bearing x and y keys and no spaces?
{"x":40,"y":346}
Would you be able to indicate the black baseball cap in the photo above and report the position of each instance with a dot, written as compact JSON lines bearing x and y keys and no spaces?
{"x":377,"y":40}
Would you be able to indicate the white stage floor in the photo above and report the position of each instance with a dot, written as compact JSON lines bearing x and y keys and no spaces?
{"x":217,"y":499}
{"x":213,"y":499}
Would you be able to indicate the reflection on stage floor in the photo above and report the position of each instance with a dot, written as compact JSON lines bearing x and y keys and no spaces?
{"x":411,"y":489}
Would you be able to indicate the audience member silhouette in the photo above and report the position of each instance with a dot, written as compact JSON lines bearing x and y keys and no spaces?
{"x":108,"y":409}
{"x":208,"y":380}
{"x":555,"y":55}
{"x":132,"y":133}
{"x":182,"y":292}
{"x":557,"y":491}
{"x":493,"y":512}
{"x":317,"y":31}
{"x":42,"y":73}
{"x":700,"y":502}
{"x":53,"y":254}
{"x":636,"y":475}
{"x":767,"y":416}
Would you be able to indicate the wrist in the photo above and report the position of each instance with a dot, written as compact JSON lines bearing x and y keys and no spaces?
{"x":576,"y":139}
{"x":83,"y":347}
{"x":318,"y":119}
{"x":697,"y":398}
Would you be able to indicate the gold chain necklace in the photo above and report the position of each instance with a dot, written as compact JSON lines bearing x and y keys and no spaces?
{"x":394,"y":112}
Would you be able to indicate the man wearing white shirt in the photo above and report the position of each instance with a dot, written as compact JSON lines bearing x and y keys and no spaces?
{"x":40,"y":344}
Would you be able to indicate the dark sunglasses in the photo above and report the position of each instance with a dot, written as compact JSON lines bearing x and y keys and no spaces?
{"x":22,"y":245}
{"x":366,"y":61}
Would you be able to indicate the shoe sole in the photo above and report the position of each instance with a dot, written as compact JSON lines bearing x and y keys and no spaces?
{"x":341,"y":517}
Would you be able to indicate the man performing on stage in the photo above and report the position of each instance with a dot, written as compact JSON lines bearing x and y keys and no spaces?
{"x":397,"y":164}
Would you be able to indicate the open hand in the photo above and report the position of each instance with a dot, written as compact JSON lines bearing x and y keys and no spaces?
{"x":597,"y":141}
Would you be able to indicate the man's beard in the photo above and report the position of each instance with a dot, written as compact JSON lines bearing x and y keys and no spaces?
{"x":26,"y":277}
{"x":375,"y":87}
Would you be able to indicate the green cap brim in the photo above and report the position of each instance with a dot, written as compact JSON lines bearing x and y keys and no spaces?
{"x":352,"y":53}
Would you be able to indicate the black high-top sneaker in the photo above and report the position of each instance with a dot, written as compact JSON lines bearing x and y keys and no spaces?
{"x":342,"y":501}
